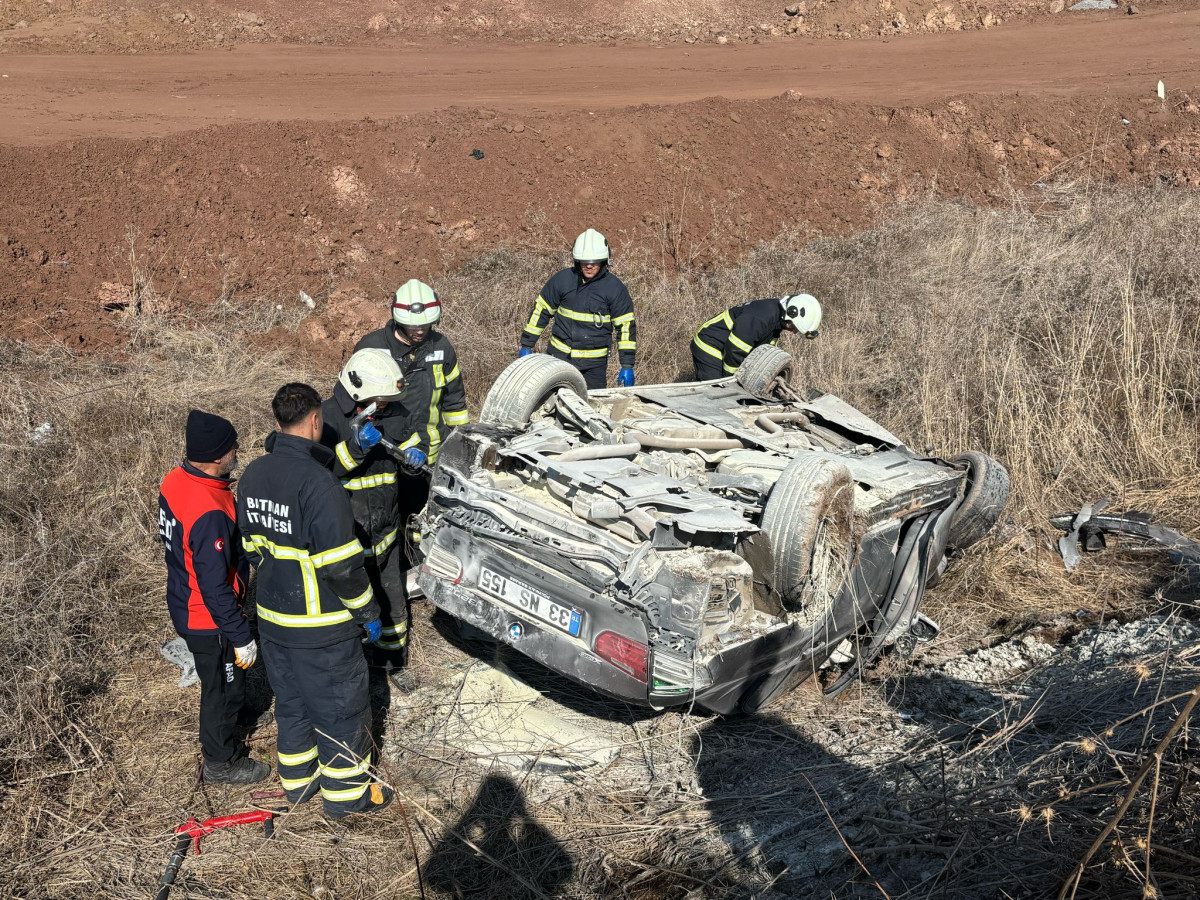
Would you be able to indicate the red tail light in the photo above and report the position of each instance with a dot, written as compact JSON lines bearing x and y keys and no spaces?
{"x":628,"y":656}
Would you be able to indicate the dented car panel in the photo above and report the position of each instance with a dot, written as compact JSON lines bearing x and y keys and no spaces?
{"x":620,"y":540}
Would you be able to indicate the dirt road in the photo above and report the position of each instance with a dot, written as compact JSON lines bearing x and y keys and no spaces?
{"x":44,"y":99}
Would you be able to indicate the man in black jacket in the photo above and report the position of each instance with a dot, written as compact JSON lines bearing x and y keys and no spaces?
{"x":206,"y":584}
{"x":314,"y":602}
{"x":370,"y":474}
{"x":723,"y":342}
{"x":587,"y":303}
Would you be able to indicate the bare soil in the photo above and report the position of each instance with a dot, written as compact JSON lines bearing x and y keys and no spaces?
{"x":272,"y":170}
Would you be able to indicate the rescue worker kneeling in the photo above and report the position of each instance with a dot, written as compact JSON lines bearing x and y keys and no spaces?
{"x":314,"y":602}
{"x":370,"y":474}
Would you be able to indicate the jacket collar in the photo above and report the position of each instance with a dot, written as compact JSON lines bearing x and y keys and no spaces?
{"x":294,"y":446}
{"x":399,"y":348}
{"x":213,"y":481}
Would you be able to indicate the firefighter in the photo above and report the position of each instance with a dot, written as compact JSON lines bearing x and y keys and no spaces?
{"x":315,"y":601}
{"x":586,"y":303}
{"x":722,"y":342}
{"x":434,"y":383}
{"x":369,"y":471}
{"x":206,"y":585}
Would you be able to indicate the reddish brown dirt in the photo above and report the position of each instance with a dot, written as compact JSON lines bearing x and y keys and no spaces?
{"x":98,"y":159}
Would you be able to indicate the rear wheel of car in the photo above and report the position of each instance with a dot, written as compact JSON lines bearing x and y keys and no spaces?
{"x":759,"y":370}
{"x":987,"y":492}
{"x":525,"y":386}
{"x":809,"y":519}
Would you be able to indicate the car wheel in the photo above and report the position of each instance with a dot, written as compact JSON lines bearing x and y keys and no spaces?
{"x":987,"y":492}
{"x":760,"y":369}
{"x":525,"y":386}
{"x":809,"y":520}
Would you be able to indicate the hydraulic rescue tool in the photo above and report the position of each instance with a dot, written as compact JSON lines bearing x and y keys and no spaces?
{"x":192,"y":831}
{"x":390,"y":446}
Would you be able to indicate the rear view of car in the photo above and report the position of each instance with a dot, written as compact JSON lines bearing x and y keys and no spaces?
{"x":712,"y":543}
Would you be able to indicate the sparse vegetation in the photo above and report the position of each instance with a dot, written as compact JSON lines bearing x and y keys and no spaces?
{"x":1060,"y":336}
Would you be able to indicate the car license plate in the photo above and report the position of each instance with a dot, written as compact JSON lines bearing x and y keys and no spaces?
{"x":530,"y":601}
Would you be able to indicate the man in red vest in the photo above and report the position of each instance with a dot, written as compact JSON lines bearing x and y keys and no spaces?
{"x":206,"y":584}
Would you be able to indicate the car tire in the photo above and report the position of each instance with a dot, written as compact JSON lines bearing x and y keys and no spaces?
{"x":760,"y":369}
{"x":809,"y":519}
{"x":988,"y":485}
{"x":524,"y":387}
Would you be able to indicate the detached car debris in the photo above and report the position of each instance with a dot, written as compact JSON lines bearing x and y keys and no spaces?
{"x":714,"y":543}
{"x":1088,"y":527}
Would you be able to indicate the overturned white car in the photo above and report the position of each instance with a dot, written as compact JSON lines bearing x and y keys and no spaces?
{"x":713,"y":542}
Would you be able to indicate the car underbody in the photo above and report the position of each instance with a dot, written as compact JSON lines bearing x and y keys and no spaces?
{"x":712,"y":543}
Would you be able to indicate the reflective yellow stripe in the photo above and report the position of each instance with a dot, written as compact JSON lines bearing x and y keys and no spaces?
{"x":577,"y":354}
{"x":279,"y":551}
{"x":378,"y":549}
{"x":297,"y":759}
{"x":454,"y":373}
{"x":732,"y":370}
{"x":343,"y":454}
{"x":348,"y":794}
{"x":398,"y":644}
{"x":361,"y":600}
{"x":369,"y":481}
{"x":248,"y":546}
{"x":439,"y":384}
{"x":337,"y":554}
{"x":402,"y":628}
{"x":739,"y":343}
{"x":411,"y":442}
{"x":590,"y":318}
{"x":311,"y":621}
{"x":532,"y":326}
{"x":342,"y":774}
{"x":621,"y":320}
{"x":308,"y":572}
{"x":295,"y":784}
{"x":626,"y":345}
{"x":457,"y":417}
{"x":710,"y":350}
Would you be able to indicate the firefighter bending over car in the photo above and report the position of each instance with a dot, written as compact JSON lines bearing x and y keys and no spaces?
{"x":315,"y":603}
{"x":723,"y":342}
{"x":371,"y":384}
{"x":206,"y":585}
{"x":586,"y":304}
{"x":434,"y":389}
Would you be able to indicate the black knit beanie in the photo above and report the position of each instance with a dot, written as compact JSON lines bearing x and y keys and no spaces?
{"x":209,"y":437}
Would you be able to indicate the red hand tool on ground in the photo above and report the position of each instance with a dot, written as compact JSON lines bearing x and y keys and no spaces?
{"x":192,"y":831}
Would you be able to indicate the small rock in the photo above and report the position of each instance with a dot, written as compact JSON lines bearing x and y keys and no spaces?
{"x":21,"y":24}
{"x":1131,"y":10}
{"x":883,"y":151}
{"x":793,"y":10}
{"x":377,"y":22}
{"x":1057,"y":6}
{"x":254,"y":20}
{"x":722,"y":39}
{"x":735,"y":118}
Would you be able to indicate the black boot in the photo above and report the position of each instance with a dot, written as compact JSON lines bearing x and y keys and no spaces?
{"x":238,"y":771}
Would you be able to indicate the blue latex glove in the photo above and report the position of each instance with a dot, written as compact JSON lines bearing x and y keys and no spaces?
{"x":374,"y":630}
{"x":625,"y":378}
{"x":368,"y":436}
{"x":524,"y":351}
{"x":414,"y":458}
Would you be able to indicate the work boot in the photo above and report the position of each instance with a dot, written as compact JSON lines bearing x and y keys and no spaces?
{"x":381,"y":795}
{"x":239,"y":771}
{"x":404,"y":680}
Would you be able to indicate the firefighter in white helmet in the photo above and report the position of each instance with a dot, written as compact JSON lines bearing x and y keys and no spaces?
{"x":587,"y":304}
{"x":435,"y":386}
{"x":372,"y":477}
{"x":721,"y":343}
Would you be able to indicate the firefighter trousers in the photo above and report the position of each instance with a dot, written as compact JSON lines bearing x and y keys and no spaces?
{"x":322,"y":710}
{"x":707,"y":367}
{"x":389,"y":581}
{"x":594,"y":371}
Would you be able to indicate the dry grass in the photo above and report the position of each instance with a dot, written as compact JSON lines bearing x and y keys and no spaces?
{"x":1060,"y":337}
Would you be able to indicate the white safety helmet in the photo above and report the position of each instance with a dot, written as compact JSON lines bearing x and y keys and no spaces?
{"x":802,"y":311}
{"x":416,"y":304}
{"x":372,"y":374}
{"x":590,"y":247}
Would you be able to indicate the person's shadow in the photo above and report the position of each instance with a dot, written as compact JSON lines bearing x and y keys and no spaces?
{"x":498,"y":850}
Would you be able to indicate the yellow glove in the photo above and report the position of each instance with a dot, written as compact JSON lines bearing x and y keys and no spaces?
{"x":246,"y":655}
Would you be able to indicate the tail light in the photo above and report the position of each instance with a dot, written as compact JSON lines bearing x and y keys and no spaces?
{"x":628,"y":656}
{"x":443,"y":565}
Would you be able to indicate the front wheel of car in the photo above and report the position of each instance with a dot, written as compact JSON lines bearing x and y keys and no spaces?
{"x":759,"y":370}
{"x":988,"y":485}
{"x":524,"y":387}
